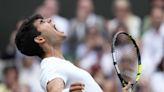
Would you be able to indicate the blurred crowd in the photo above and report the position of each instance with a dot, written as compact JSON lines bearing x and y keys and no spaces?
{"x":88,"y":45}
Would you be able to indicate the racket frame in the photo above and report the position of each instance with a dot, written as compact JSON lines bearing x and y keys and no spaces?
{"x":123,"y":82}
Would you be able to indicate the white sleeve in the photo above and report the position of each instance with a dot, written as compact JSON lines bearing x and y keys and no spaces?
{"x":50,"y":74}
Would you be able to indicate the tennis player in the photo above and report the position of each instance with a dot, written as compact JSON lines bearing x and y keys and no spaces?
{"x":39,"y":37}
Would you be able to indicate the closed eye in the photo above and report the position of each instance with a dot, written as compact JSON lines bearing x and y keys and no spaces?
{"x":41,"y":21}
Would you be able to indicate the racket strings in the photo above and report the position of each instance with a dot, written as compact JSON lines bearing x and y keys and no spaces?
{"x":126,"y":57}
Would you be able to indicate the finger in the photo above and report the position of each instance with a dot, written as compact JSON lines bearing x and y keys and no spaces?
{"x":74,"y":88}
{"x":77,"y":84}
{"x":127,"y":86}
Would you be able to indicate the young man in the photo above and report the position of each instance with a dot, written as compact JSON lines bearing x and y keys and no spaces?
{"x":39,"y":37}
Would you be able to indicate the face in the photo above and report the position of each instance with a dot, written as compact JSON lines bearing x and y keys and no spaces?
{"x":49,"y":8}
{"x":158,"y":3}
{"x":49,"y":33}
{"x":84,"y":8}
{"x":10,"y":76}
{"x":121,"y":10}
{"x":156,"y":17}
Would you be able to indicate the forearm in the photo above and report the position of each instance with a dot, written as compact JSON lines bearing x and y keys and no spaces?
{"x":55,"y":85}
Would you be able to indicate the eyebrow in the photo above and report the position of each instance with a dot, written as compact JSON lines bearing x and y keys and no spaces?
{"x":39,"y":20}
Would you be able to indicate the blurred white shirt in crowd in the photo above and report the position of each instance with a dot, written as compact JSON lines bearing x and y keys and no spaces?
{"x":132,"y":22}
{"x":30,"y":76}
{"x":152,"y":50}
{"x":157,"y":82}
{"x":88,"y":59}
{"x":2,"y":65}
{"x":162,"y":29}
{"x":78,"y":28}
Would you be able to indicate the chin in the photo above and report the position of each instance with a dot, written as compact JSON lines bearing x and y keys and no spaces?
{"x":64,"y":37}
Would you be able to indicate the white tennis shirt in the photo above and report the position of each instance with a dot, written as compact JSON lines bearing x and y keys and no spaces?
{"x":53,"y":67}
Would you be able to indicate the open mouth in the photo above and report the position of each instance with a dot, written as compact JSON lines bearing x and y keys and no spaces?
{"x":57,"y":29}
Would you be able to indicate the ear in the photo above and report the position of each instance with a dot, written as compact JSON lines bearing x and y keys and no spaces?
{"x":39,"y":39}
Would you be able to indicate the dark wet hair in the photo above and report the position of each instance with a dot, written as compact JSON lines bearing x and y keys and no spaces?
{"x":25,"y":38}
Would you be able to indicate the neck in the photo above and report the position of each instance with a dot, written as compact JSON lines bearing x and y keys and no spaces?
{"x":53,"y":51}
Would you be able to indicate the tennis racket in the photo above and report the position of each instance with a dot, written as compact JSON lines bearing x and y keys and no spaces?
{"x":126,"y":59}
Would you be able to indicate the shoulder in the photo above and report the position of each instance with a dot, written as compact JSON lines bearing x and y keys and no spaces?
{"x":55,"y":64}
{"x":52,"y":68}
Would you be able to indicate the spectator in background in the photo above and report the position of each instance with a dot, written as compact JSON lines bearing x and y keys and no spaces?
{"x":157,"y":3}
{"x":157,"y":81}
{"x":147,"y":20}
{"x":94,"y":53}
{"x":143,"y":85}
{"x":152,"y":42}
{"x":11,"y":83}
{"x":50,"y":9}
{"x":11,"y":55}
{"x":90,"y":52}
{"x":110,"y":85}
{"x":85,"y":17}
{"x":123,"y":15}
{"x":2,"y":65}
{"x":10,"y":51}
{"x":30,"y":67}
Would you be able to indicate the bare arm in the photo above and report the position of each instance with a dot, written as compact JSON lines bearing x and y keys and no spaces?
{"x":57,"y":85}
